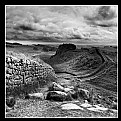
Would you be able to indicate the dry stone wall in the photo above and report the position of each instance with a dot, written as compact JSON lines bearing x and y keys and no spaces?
{"x":21,"y":72}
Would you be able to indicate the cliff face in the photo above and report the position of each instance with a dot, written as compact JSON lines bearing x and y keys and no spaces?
{"x":64,"y":48}
{"x":26,"y":75}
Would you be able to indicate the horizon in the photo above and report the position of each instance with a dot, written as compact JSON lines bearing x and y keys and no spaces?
{"x":25,"y":42}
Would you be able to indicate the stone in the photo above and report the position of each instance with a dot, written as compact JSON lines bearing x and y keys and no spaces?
{"x":97,"y":108}
{"x":61,"y":93}
{"x":100,"y":107}
{"x":55,"y":87}
{"x":79,"y":94}
{"x":114,"y":106}
{"x":58,"y":96}
{"x":113,"y":110}
{"x":70,"y":106}
{"x":10,"y":101}
{"x":83,"y":93}
{"x":86,"y":105}
{"x":67,"y":89}
{"x":9,"y":108}
{"x":74,"y":94}
{"x":94,"y":109}
{"x":36,"y":96}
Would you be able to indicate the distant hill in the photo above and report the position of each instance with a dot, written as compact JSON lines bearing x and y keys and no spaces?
{"x":8,"y":44}
{"x":45,"y":48}
{"x":13,"y":43}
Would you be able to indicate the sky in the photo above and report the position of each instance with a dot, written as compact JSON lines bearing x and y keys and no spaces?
{"x":82,"y":24}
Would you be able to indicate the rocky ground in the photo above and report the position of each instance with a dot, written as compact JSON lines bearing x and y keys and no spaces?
{"x":70,"y":93}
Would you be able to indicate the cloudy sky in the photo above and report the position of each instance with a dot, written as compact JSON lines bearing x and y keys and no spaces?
{"x":82,"y":24}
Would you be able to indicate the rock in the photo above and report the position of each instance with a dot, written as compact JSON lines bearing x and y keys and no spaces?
{"x":114,"y":106}
{"x":9,"y":109}
{"x":10,"y":101}
{"x":94,"y":109}
{"x":55,"y":87}
{"x":61,"y":93}
{"x":100,"y":108}
{"x":74,"y":94}
{"x":80,"y":94}
{"x":67,"y":89}
{"x":27,"y":96}
{"x":70,"y":87}
{"x":69,"y":106}
{"x":86,"y":105}
{"x":36,"y":96}
{"x":65,"y":47}
{"x":113,"y":110}
{"x":97,"y":108}
{"x":83,"y":93}
{"x":58,"y":96}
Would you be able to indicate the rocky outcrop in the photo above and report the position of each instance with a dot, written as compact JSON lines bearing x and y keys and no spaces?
{"x":57,"y":92}
{"x":64,"y":48}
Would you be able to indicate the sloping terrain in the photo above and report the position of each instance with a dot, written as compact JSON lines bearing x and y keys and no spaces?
{"x":82,"y":67}
{"x":97,"y":65}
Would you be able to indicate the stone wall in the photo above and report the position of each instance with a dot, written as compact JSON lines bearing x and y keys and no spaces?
{"x":21,"y":72}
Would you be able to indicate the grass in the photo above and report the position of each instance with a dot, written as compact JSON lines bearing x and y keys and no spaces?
{"x":104,"y":85}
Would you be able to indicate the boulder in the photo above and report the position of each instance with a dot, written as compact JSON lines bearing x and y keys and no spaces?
{"x":70,"y":106}
{"x":58,"y":96}
{"x":55,"y":87}
{"x":10,"y":101}
{"x":74,"y":94}
{"x":36,"y":96}
{"x":94,"y":109}
{"x":83,"y":93}
{"x":114,"y":106}
{"x":100,"y":107}
{"x":80,"y":94}
{"x":67,"y":89}
{"x":86,"y":105}
{"x":97,"y":108}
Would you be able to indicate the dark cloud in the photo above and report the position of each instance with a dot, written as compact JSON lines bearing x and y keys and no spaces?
{"x":59,"y":21}
{"x":105,"y":16}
